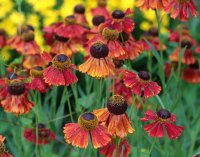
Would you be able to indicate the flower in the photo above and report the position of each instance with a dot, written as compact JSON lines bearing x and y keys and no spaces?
{"x":16,"y":101}
{"x":3,"y":152}
{"x":151,"y":4}
{"x":169,"y":66}
{"x":101,"y":9}
{"x":121,"y":21}
{"x":88,"y":125}
{"x":70,"y":28}
{"x":181,"y":9}
{"x":98,"y":65}
{"x":44,"y":135}
{"x":61,"y":68}
{"x":141,"y":84}
{"x":123,"y":148}
{"x":191,"y":73}
{"x":2,"y":38}
{"x":79,"y":13}
{"x":65,"y":45}
{"x":114,"y":117}
{"x":163,"y":119}
{"x":37,"y":81}
{"x":30,"y":61}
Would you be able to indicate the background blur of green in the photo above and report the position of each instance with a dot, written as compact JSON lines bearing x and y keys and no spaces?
{"x":184,"y":101}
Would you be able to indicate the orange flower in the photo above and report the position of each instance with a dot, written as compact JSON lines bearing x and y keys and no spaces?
{"x":31,"y":61}
{"x":151,"y":4}
{"x":98,"y":65}
{"x":16,"y":100}
{"x":114,"y":117}
{"x":88,"y":125}
{"x":191,"y":73}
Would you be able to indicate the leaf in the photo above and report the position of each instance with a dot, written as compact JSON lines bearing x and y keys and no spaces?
{"x":142,"y":152}
{"x":88,"y":100}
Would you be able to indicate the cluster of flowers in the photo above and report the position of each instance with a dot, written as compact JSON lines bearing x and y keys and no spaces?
{"x":108,"y":43}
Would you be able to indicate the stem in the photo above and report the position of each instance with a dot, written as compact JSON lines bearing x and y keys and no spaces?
{"x":58,"y":118}
{"x":152,"y":146}
{"x":160,"y":101}
{"x":69,"y":106}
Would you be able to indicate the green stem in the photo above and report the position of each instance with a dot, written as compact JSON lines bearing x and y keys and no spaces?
{"x":152,"y":146}
{"x":160,"y":101}
{"x":69,"y":106}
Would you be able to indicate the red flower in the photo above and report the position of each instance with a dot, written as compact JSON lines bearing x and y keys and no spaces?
{"x":110,"y":37}
{"x":44,"y":135}
{"x":37,"y":81}
{"x":181,"y":9}
{"x":61,"y":68}
{"x":110,"y":149}
{"x":30,"y":61}
{"x":88,"y":125}
{"x":141,"y":84}
{"x":101,"y":9}
{"x":16,"y":100}
{"x":169,"y":66}
{"x":65,"y":45}
{"x":191,"y":73}
{"x":2,"y":38}
{"x":79,"y":13}
{"x":70,"y":28}
{"x":151,"y":4}
{"x":163,"y":119}
{"x":49,"y":32}
{"x":120,"y":21}
{"x":98,"y":65}
{"x":114,"y":117}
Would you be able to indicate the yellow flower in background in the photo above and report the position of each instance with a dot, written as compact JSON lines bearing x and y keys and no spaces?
{"x":120,"y":4}
{"x":151,"y":21}
{"x":5,"y":54}
{"x":40,"y":5}
{"x":33,"y":19}
{"x":5,"y":7}
{"x":50,"y":16}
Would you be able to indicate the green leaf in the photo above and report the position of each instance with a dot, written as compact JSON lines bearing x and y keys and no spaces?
{"x":88,"y":100}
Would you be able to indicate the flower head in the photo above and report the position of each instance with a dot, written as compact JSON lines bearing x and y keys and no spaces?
{"x":181,"y":9}
{"x":114,"y":117}
{"x":163,"y":119}
{"x":191,"y":73}
{"x":151,"y":4}
{"x":44,"y":135}
{"x":98,"y":64}
{"x":3,"y":152}
{"x":88,"y":125}
{"x":141,"y":84}
{"x":61,"y":67}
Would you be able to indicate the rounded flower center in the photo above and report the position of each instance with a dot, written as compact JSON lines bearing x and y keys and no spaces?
{"x":110,"y":33}
{"x":88,"y":121}
{"x":163,"y":114}
{"x":70,"y":19}
{"x":80,"y":9}
{"x":28,"y":36}
{"x":99,"y":50}
{"x":36,"y":72}
{"x":144,"y":75}
{"x":117,"y":105}
{"x":153,"y":31}
{"x":61,"y":39}
{"x":11,"y":76}
{"x":2,"y":32}
{"x":16,"y":87}
{"x":186,"y":43}
{"x":102,"y":3}
{"x":118,"y":14}
{"x":118,"y":63}
{"x":40,"y":125}
{"x":24,"y":28}
{"x":61,"y":61}
{"x":98,"y":19}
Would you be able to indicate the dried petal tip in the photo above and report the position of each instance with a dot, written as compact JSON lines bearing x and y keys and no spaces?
{"x":80,"y":9}
{"x":61,"y":61}
{"x":99,"y":50}
{"x":118,"y":14}
{"x":88,"y":121}
{"x":16,"y":87}
{"x":164,"y":114}
{"x":98,"y":19}
{"x":117,"y":105}
{"x":144,"y":75}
